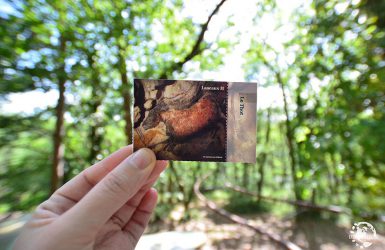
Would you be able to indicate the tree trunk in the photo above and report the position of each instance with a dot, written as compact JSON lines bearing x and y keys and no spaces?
{"x":217,"y":172}
{"x":188,"y":196}
{"x":177,"y":178}
{"x":289,"y":130}
{"x":126,"y":98}
{"x":245,"y":174}
{"x":282,"y":155}
{"x":57,"y":172}
{"x":290,"y":140}
{"x":264,"y":156}
{"x":336,"y":178}
{"x":95,"y":137}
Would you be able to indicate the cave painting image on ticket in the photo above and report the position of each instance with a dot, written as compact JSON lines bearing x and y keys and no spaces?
{"x":181,"y":120}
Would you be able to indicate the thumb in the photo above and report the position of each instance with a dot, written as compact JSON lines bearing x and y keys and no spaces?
{"x":113,"y":191}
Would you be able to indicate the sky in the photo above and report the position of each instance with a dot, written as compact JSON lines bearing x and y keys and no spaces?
{"x":242,"y":14}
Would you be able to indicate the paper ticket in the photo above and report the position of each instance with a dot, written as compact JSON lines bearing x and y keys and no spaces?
{"x":187,"y":120}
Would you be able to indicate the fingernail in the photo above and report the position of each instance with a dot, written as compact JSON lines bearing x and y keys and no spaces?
{"x":143,"y":158}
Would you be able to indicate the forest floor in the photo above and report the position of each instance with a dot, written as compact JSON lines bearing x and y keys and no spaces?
{"x":222,"y":234}
{"x":309,"y":232}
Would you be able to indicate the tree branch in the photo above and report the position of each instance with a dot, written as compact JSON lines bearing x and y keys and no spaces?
{"x":196,"y":50}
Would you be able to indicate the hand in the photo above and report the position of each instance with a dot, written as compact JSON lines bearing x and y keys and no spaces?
{"x":107,"y":206}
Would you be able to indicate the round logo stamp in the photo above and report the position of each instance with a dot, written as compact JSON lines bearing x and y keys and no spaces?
{"x":362,"y":234}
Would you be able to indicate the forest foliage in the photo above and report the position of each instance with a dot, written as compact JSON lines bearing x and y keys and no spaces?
{"x":324,"y":145}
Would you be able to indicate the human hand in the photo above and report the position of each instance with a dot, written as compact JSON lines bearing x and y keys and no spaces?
{"x":107,"y":206}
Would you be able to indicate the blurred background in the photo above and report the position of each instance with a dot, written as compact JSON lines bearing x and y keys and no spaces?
{"x":66,"y":75}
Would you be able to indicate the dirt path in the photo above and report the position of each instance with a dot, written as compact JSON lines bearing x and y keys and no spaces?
{"x":222,"y":234}
{"x":10,"y":228}
{"x":307,"y":232}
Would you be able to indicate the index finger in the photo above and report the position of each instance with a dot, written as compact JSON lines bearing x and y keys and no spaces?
{"x":81,"y":184}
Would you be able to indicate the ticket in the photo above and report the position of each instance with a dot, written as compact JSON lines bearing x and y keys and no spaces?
{"x":185,"y":120}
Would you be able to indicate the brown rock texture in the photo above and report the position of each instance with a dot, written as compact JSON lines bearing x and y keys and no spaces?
{"x":186,"y":122}
{"x":181,"y":120}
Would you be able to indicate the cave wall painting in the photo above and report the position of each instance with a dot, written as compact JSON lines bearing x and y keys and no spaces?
{"x":190,"y":120}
